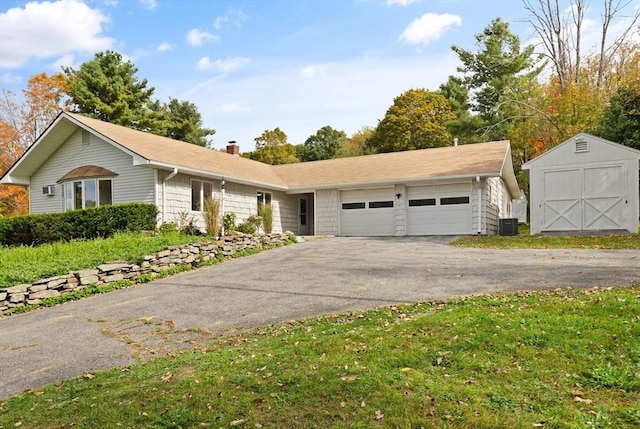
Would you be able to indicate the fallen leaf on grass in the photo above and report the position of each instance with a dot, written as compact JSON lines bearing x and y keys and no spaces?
{"x":349,"y":378}
{"x":378,"y":415}
{"x":236,"y":423}
{"x":88,"y":376}
{"x":579,"y":399}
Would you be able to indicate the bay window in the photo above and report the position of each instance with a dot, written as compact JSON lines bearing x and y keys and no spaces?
{"x":85,"y":193}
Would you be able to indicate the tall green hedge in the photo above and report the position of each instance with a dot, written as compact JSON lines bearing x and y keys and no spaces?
{"x":91,"y":223}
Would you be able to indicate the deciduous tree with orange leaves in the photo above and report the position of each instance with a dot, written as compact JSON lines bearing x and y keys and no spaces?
{"x":20,"y":126}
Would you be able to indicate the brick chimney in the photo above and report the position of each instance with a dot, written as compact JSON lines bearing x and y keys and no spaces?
{"x":233,"y":148}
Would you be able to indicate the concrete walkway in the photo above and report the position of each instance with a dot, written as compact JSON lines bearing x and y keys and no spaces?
{"x":316,"y":277}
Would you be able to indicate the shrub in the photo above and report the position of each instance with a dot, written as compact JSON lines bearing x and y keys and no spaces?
{"x":86,"y":224}
{"x":212,"y":216}
{"x":251,"y":225}
{"x":265,"y":211}
{"x":168,"y":227}
{"x":229,"y":222}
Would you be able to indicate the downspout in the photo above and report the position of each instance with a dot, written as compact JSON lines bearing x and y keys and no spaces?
{"x":222,"y":192}
{"x":479,"y":205}
{"x":164,"y":193}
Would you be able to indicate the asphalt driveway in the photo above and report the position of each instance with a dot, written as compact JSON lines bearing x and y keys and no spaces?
{"x":311,"y":278}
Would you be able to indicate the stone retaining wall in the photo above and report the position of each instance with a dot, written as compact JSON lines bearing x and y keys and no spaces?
{"x":190,"y":254}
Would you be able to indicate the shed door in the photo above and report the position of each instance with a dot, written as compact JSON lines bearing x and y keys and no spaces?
{"x":604,"y":198}
{"x":562,"y":208}
{"x":589,"y":198}
{"x":367,"y":212}
{"x":439,"y":209}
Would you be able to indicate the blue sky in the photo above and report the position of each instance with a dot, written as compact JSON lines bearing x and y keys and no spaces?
{"x":252,"y":65}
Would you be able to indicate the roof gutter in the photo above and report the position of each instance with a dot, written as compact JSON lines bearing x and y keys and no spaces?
{"x":382,"y":183}
{"x":164,"y":193}
{"x":509,"y":175}
{"x":209,"y":175}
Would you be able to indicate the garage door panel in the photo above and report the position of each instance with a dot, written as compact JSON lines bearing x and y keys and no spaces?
{"x":417,"y":192}
{"x":353,"y":196}
{"x":379,"y":194}
{"x":427,"y":215}
{"x":367,"y":212}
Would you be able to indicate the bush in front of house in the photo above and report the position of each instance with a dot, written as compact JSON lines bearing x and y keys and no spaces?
{"x":251,"y":225}
{"x":229,"y":222}
{"x":87,"y":224}
{"x":265,"y":212}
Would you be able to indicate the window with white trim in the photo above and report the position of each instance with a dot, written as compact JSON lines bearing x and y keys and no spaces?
{"x":263,"y":198}
{"x":200,"y":190}
{"x":85,"y":193}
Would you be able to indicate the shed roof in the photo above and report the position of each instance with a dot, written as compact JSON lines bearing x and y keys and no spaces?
{"x":481,"y":159}
{"x":621,"y":151}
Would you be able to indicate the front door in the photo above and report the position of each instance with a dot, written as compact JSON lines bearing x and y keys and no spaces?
{"x":303,"y":216}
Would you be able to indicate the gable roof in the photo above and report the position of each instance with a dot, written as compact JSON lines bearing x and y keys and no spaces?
{"x":163,"y":152}
{"x":465,"y":161}
{"x":632,"y":153}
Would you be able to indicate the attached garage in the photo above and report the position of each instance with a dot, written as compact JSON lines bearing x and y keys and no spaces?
{"x":584,"y":184}
{"x":454,"y":190}
{"x":443,"y":209}
{"x":367,"y":212}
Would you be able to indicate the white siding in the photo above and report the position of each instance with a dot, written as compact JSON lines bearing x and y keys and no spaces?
{"x":497,"y":203}
{"x":132,"y":184}
{"x":326,"y":212}
{"x":239,"y":199}
{"x":285,"y":212}
{"x":401,"y":210}
{"x":478,"y":207}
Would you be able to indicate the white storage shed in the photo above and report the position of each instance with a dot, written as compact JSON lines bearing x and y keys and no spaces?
{"x":584,"y":184}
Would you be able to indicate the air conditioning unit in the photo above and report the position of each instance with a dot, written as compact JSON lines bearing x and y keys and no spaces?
{"x":48,"y":190}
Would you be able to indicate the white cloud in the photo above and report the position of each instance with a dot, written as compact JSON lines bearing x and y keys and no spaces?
{"x":164,"y":47}
{"x":241,"y":106}
{"x":50,"y":29}
{"x":225,"y":66}
{"x":313,"y":70}
{"x":233,"y":16}
{"x":204,"y":63}
{"x":403,"y":2}
{"x":429,"y":27}
{"x":196,"y":37}
{"x":64,"y":61}
{"x":150,"y":4}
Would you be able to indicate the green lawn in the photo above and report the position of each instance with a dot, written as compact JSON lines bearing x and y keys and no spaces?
{"x":559,"y":359}
{"x":526,"y":241}
{"x":25,"y":264}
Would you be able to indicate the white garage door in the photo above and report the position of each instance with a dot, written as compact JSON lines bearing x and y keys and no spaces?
{"x":589,"y":198}
{"x":439,"y":209}
{"x":367,"y":212}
